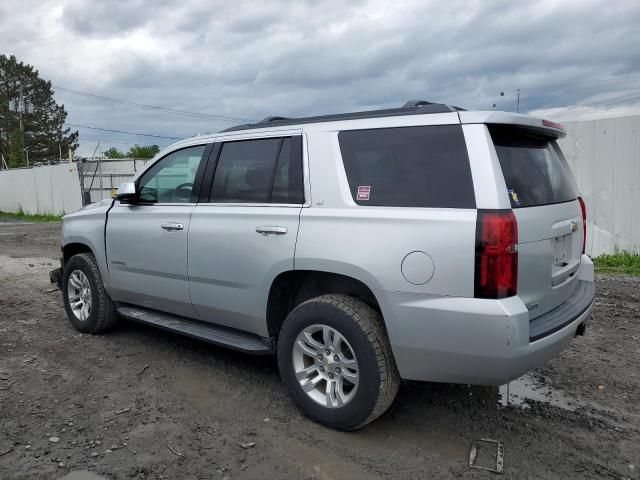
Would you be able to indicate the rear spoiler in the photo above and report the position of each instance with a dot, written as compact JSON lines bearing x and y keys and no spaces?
{"x":546,"y":127}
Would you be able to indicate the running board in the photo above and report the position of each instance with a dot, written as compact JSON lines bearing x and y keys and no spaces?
{"x":217,"y":335}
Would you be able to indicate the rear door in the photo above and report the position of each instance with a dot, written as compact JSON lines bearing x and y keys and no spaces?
{"x":543,"y":196}
{"x":245,"y":233}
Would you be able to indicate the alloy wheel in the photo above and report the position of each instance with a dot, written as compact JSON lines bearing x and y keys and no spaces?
{"x":79,"y":295}
{"x":325,"y":366}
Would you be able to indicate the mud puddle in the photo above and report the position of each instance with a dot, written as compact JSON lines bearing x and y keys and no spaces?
{"x":523,"y":391}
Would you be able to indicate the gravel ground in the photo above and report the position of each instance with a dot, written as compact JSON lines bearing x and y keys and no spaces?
{"x":142,"y":403}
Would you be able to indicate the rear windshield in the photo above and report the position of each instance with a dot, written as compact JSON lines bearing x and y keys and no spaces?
{"x":535,"y":171}
{"x":424,"y":166}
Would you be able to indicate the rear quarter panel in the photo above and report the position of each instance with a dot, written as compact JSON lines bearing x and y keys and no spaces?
{"x":370,"y":243}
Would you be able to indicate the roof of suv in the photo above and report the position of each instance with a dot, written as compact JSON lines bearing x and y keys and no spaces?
{"x":412,"y":107}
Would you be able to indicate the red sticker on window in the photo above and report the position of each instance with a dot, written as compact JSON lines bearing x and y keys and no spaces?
{"x":363,"y":192}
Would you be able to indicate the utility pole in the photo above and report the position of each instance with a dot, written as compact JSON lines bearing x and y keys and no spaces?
{"x":20,"y":106}
{"x":518,"y":102}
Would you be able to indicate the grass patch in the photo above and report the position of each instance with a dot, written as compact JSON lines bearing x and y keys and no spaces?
{"x":621,"y":262}
{"x":31,"y":218}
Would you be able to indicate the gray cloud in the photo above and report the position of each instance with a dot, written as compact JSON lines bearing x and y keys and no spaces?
{"x":253,"y":59}
{"x":105,"y":19}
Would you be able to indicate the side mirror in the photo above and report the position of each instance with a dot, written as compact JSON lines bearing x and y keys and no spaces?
{"x":127,"y":193}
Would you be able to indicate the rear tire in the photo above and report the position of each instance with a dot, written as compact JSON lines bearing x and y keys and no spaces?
{"x":335,"y":359}
{"x":88,"y":305}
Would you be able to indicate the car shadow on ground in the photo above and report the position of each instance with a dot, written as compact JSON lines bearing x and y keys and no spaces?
{"x":412,"y":395}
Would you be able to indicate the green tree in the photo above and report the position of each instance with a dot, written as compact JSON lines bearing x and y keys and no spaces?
{"x":138,"y":151}
{"x":113,"y":152}
{"x":15,"y":153}
{"x":42,"y":133}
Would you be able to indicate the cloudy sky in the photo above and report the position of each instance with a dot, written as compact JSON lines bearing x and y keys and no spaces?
{"x":232,"y":60}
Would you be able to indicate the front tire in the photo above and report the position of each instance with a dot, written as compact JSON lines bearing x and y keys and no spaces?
{"x":88,"y":306}
{"x":335,"y":359}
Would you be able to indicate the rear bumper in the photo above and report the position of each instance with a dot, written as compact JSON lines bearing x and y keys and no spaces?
{"x":477,"y":341}
{"x":545,"y":325}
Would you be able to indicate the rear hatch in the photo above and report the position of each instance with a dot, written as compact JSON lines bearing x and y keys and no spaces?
{"x":543,"y":196}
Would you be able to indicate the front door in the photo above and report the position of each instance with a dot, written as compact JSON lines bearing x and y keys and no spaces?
{"x":147,"y":242}
{"x":245,"y":235}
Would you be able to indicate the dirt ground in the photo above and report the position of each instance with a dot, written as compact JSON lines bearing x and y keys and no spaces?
{"x":142,"y":403}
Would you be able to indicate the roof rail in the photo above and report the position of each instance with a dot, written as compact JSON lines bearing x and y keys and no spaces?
{"x":416,"y":103}
{"x":424,"y":103}
{"x":412,"y":107}
{"x":274,"y":118}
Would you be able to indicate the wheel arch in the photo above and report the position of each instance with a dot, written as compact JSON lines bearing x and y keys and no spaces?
{"x":291,"y":288}
{"x":74,"y":248}
{"x":75,"y":245}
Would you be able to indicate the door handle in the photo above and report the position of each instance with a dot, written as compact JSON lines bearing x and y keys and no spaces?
{"x":271,"y":230}
{"x":171,"y":226}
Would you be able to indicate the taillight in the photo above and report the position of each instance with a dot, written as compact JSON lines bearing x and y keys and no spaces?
{"x":496,"y":274}
{"x":583,"y":207}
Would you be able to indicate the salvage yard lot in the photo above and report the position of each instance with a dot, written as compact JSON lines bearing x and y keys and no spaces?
{"x":142,"y":403}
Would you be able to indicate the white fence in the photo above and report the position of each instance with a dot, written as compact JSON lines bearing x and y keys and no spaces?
{"x":52,"y":189}
{"x":605,"y":158}
{"x":98,"y":178}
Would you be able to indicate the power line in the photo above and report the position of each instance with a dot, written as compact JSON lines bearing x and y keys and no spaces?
{"x":524,"y":90}
{"x":153,"y":107}
{"x":609,"y":101}
{"x":560,"y":93}
{"x":101,"y":140}
{"x":612,"y":101}
{"x":586,"y":82}
{"x":122,"y":131}
{"x":628,"y":97}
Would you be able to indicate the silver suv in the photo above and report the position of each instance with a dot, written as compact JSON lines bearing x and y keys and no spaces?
{"x":424,"y":243}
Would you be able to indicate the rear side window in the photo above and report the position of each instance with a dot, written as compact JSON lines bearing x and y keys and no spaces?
{"x":423,"y":166}
{"x":266,"y":170}
{"x":534,"y":169}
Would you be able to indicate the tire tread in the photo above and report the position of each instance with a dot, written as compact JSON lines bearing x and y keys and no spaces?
{"x":107,"y":316}
{"x":372,"y":324}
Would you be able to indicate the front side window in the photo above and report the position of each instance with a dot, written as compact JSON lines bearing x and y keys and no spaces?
{"x":267,"y":170}
{"x":171,"y":179}
{"x":425,"y":166}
